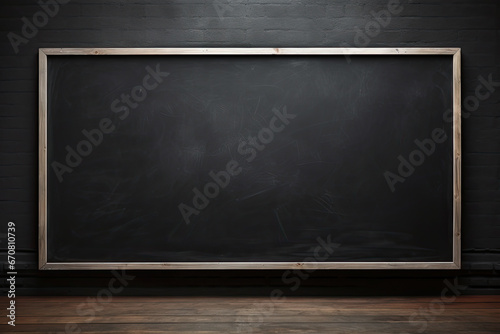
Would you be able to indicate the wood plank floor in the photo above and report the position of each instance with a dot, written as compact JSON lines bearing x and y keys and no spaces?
{"x":119,"y":314}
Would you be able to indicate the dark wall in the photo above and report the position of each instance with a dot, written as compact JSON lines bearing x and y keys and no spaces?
{"x":472,"y":25}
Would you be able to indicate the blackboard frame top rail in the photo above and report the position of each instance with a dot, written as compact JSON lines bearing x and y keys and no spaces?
{"x":249,"y":51}
{"x":248,"y":265}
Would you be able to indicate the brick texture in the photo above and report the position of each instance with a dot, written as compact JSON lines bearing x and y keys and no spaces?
{"x":472,"y":25}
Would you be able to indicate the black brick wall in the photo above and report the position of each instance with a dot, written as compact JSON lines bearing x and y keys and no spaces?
{"x":472,"y":25}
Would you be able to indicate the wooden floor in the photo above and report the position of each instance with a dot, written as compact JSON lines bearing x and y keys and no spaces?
{"x":117,"y":314}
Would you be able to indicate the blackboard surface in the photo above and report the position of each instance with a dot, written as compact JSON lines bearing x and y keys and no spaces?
{"x":326,"y":132}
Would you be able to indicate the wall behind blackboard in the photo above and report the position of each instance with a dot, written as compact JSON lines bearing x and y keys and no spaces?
{"x":191,"y":23}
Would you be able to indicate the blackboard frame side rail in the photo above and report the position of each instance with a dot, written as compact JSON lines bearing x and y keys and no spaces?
{"x":457,"y":159}
{"x":42,"y":160}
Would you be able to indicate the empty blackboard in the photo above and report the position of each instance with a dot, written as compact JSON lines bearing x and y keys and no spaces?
{"x":249,"y":158}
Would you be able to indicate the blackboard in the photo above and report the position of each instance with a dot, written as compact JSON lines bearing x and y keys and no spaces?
{"x":249,"y":158}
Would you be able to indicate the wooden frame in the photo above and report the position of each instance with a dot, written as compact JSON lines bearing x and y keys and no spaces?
{"x":43,"y":53}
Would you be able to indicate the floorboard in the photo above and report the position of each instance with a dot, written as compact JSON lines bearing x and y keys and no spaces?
{"x":120,"y":314}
